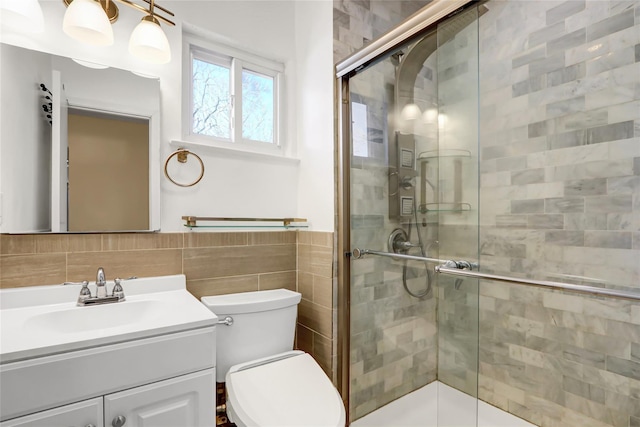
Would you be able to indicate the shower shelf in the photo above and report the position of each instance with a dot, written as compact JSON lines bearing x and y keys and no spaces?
{"x":444,"y":207}
{"x":434,"y":154}
{"x":454,"y":191}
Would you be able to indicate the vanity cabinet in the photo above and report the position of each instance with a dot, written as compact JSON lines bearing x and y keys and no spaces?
{"x":167,"y":380}
{"x":81,"y":414}
{"x":184,"y":401}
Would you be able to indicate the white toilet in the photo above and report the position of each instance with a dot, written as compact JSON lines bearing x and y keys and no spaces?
{"x":268,"y":384}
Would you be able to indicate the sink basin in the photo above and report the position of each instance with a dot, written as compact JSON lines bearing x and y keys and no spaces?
{"x":43,"y":320}
{"x":99,"y":317}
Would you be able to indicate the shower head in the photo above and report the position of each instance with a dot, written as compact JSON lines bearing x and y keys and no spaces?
{"x":448,"y":30}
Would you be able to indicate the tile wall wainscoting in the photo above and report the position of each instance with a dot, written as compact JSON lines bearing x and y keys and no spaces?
{"x":214,"y":263}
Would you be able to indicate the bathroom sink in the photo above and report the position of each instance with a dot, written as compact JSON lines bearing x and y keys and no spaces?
{"x":95,"y":318}
{"x":43,"y":320}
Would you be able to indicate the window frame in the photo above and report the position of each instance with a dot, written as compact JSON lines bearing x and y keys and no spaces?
{"x":237,"y":61}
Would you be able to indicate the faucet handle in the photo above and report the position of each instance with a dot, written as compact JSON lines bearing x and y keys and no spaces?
{"x":75,"y":283}
{"x":117,"y":289}
{"x":85,"y":292}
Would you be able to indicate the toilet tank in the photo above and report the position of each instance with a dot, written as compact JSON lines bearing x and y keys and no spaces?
{"x":264,"y":324}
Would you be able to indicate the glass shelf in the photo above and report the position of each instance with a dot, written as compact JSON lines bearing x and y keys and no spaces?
{"x":444,"y":207}
{"x":244,"y":223}
{"x":247,"y":227}
{"x":435,"y":154}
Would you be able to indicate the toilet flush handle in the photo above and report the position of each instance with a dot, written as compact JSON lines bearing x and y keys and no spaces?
{"x":226,"y":321}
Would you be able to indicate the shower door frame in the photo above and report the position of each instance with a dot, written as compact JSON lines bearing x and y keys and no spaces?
{"x":429,"y":15}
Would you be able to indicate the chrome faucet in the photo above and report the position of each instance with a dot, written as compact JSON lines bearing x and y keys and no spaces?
{"x":101,"y":289}
{"x":102,"y":297}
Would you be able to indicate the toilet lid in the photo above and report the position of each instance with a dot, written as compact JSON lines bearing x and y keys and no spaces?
{"x":288,"y":392}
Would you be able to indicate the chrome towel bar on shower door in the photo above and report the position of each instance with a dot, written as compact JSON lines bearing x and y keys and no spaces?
{"x":359,"y":253}
{"x":455,"y":268}
{"x":592,"y":290}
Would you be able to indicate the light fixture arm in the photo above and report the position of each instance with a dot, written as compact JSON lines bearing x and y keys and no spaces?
{"x":152,"y":5}
{"x":113,"y":11}
{"x":168,"y":12}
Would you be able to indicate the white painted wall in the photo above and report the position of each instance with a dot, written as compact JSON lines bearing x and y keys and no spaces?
{"x":314,"y":92}
{"x":235,"y":185}
{"x":25,"y":134}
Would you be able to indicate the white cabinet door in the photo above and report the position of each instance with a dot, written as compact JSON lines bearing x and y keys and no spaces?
{"x":81,"y":414}
{"x":186,"y":401}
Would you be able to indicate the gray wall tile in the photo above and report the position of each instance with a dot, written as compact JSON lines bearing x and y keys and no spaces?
{"x":564,"y":10}
{"x":527,"y":206}
{"x":610,"y":25}
{"x":613,"y":132}
{"x":585,"y":187}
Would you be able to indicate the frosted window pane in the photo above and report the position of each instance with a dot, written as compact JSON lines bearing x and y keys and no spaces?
{"x":211,"y":99}
{"x":257,"y":107}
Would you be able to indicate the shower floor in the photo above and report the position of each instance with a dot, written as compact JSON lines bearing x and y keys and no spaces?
{"x":438,"y":405}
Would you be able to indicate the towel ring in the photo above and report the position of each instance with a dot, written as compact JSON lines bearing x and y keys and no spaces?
{"x":182,"y":154}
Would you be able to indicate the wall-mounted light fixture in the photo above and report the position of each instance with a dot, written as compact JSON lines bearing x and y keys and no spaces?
{"x":23,"y":15}
{"x":89,"y":21}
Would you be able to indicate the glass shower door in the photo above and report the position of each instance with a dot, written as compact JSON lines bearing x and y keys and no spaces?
{"x":457,"y":206}
{"x":413,"y":190}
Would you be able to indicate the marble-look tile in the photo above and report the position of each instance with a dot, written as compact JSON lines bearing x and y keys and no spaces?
{"x":610,"y":61}
{"x":547,"y":33}
{"x":610,"y":25}
{"x":527,"y":206}
{"x":567,"y":74}
{"x":564,"y":205}
{"x":612,"y":132}
{"x":608,"y":239}
{"x":542,"y":221}
{"x":607,"y":204}
{"x":535,"y":54}
{"x":548,"y":64}
{"x":565,"y":238}
{"x":585,"y":187}
{"x":624,"y":367}
{"x":586,"y":390}
{"x":529,"y":176}
{"x":564,"y":10}
{"x":564,"y":107}
{"x":573,"y":39}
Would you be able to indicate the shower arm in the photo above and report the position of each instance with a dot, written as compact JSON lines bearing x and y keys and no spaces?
{"x":464,"y":269}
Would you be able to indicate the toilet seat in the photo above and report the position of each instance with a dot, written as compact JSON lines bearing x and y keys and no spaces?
{"x":288,"y":389}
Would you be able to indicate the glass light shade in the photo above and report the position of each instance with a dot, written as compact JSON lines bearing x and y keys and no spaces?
{"x":148,"y":42}
{"x":86,"y":21}
{"x":22,"y":15}
{"x":410,"y":112}
{"x":430,"y":116}
{"x":89,"y":64}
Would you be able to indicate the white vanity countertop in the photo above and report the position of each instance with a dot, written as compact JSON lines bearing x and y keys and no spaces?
{"x":44,"y":320}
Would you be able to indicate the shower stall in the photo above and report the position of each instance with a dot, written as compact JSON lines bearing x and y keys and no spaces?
{"x":489,"y":217}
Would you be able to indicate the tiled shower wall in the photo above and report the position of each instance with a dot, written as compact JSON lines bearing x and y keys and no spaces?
{"x":393,"y":335}
{"x":357,"y":22}
{"x":214,"y":263}
{"x":560,"y":195}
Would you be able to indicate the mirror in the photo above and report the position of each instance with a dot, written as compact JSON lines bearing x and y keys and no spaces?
{"x":79,"y":146}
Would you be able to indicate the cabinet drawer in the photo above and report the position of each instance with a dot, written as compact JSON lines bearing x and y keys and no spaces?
{"x":47,"y":382}
{"x":81,"y":414}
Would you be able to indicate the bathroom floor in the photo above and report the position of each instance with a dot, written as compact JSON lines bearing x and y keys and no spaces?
{"x":221,"y":419}
{"x":438,"y":405}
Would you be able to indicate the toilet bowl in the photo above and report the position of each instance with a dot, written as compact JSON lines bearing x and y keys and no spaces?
{"x":268,"y":384}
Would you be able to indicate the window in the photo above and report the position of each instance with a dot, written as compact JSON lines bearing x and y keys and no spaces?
{"x":234,"y":98}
